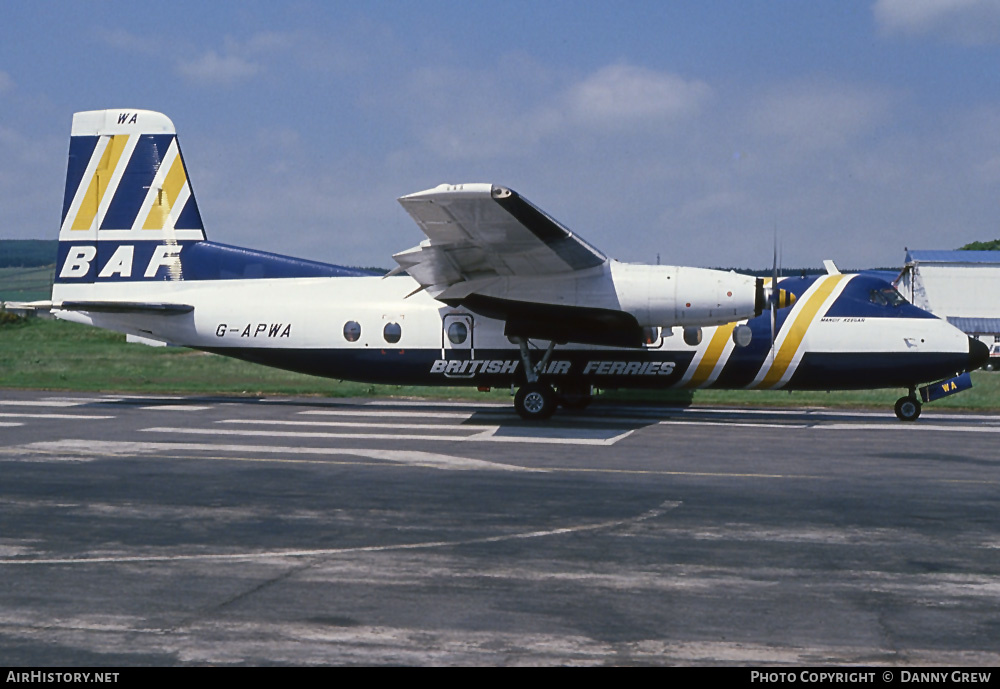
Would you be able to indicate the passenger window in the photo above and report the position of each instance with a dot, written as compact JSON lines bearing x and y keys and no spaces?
{"x":352,"y":331}
{"x":392,"y":332}
{"x":458,"y":332}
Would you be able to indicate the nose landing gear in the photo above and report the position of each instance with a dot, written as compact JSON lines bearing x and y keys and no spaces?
{"x":907,"y":408}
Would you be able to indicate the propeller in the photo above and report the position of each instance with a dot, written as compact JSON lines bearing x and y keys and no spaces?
{"x":778,"y":298}
{"x":770,"y":296}
{"x":774,"y":292}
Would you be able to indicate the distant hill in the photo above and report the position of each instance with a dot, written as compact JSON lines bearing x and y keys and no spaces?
{"x":26,"y":268}
{"x":795,"y":272}
{"x":28,"y":253}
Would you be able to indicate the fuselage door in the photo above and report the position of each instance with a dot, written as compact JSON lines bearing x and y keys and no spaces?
{"x":457,"y":338}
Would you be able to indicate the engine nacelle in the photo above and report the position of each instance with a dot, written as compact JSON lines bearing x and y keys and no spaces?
{"x":679,"y":295}
{"x":611,"y":304}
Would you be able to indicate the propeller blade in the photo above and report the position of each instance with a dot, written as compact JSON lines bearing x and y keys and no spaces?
{"x":774,"y":292}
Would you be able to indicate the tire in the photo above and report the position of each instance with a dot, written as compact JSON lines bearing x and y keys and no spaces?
{"x":907,"y":409}
{"x":535,"y":402}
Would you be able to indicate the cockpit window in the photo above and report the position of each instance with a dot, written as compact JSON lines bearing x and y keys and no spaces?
{"x":886,"y":296}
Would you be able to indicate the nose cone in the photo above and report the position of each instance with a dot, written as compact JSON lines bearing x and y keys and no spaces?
{"x":978,"y":354}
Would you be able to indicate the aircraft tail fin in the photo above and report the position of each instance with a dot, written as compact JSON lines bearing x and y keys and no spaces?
{"x":128,"y":210}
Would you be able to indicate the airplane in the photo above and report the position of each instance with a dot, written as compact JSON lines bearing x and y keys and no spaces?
{"x":499,"y":294}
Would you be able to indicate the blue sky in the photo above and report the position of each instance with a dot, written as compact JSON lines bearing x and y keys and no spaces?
{"x":692,"y":130}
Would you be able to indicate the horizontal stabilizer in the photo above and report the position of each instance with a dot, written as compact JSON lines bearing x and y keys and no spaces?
{"x":27,"y":305}
{"x":151,"y":308}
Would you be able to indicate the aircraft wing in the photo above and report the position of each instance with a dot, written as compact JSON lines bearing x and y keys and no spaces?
{"x":491,"y":251}
{"x":482,"y":231}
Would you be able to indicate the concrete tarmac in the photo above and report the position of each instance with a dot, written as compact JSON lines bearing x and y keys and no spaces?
{"x":189,"y":531}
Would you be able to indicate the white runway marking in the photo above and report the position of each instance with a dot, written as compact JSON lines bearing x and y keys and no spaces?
{"x":412,"y":457}
{"x":706,"y":423}
{"x":52,"y":416}
{"x":485,"y":434}
{"x":818,"y":425}
{"x":490,"y":414}
{"x":40,"y":403}
{"x":649,"y":413}
{"x":917,"y":426}
{"x":175,"y":407}
{"x":353,"y":424}
{"x":10,"y":423}
{"x":395,"y":414}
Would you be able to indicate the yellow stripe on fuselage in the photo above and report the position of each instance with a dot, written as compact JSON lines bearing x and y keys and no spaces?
{"x":99,"y":182}
{"x":167,"y":196}
{"x":790,"y":345}
{"x":712,"y":355}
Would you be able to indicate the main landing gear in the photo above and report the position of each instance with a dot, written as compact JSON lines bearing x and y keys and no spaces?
{"x":536,"y":400}
{"x":908,"y":408}
{"x":539,"y":400}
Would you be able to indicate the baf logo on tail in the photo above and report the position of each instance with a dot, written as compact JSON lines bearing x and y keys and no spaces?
{"x":128,"y":209}
{"x":79,"y":264}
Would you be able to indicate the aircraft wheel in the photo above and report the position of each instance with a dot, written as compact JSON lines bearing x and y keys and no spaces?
{"x":535,"y":401}
{"x":907,"y":408}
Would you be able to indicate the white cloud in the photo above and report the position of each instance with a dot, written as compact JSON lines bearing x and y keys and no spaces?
{"x":623,"y":94}
{"x":235,"y":61}
{"x":212,"y":68}
{"x":501,"y":113}
{"x":970,"y":22}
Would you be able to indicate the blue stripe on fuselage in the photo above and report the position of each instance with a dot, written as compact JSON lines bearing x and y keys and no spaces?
{"x":608,"y":368}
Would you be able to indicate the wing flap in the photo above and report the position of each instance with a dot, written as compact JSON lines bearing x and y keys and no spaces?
{"x":481,"y":230}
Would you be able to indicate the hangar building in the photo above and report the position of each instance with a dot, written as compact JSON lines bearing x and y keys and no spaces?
{"x":962,"y":287}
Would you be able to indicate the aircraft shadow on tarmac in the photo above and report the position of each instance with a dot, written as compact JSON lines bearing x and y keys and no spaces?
{"x":601,"y":416}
